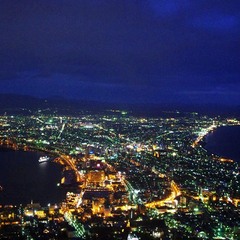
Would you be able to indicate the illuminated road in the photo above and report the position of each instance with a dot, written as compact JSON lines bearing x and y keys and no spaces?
{"x":68,"y":161}
{"x":80,"y":231}
{"x":62,"y":129}
{"x":133,"y":192}
{"x":236,"y":201}
{"x":175,"y":192}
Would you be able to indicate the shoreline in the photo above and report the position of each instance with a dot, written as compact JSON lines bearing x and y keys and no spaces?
{"x":202,"y":143}
{"x":65,"y":158}
{"x":24,"y":179}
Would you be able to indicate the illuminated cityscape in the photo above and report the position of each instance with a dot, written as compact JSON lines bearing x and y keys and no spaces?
{"x":108,"y":109}
{"x":126,"y":177}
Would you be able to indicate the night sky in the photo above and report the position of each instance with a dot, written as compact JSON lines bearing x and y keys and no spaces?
{"x":134,"y":51}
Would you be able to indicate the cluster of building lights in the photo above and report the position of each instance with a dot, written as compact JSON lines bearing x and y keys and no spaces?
{"x":125,"y":172}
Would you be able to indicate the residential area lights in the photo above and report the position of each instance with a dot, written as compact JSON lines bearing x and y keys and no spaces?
{"x":128,"y":176}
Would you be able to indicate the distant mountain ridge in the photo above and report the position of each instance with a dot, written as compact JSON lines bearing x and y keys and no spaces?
{"x":16,"y":103}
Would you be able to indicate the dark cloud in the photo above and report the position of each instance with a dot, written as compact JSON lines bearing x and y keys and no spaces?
{"x":151,"y":49}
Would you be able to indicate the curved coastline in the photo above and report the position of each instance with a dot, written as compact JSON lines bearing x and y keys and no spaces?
{"x":38,"y":152}
{"x":204,"y":144}
{"x":66,"y":159}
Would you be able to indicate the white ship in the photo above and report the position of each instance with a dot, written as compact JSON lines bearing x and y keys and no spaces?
{"x":43,"y":159}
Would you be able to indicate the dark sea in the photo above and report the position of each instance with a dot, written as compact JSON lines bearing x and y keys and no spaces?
{"x":225,"y":142}
{"x":24,"y":179}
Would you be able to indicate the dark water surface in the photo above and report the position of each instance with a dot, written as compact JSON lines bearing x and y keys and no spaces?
{"x":24,"y":179}
{"x":225,"y":141}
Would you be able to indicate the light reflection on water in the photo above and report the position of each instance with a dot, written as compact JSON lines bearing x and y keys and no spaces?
{"x":24,"y":178}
